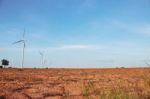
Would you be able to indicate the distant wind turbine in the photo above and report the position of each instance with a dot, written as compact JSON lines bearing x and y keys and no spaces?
{"x":24,"y":45}
{"x":42,"y":57}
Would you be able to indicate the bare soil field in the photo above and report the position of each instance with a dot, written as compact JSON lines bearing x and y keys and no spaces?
{"x":127,"y":83}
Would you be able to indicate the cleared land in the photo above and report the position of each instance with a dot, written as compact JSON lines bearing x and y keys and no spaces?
{"x":133,"y":83}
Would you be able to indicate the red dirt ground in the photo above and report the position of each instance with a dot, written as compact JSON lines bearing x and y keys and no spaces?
{"x":131,"y":83}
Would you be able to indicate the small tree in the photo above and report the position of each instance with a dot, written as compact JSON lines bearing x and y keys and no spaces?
{"x":5,"y":62}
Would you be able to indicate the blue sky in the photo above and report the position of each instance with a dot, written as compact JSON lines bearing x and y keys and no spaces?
{"x":76,"y":33}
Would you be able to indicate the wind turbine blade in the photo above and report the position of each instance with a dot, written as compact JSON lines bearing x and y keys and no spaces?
{"x":18,"y":41}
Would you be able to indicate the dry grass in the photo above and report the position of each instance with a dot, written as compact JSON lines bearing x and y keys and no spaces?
{"x":133,"y":83}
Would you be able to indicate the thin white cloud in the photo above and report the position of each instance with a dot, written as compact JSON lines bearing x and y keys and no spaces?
{"x":11,"y":31}
{"x":143,"y":29}
{"x":87,"y":3}
{"x":10,"y":49}
{"x":133,"y":27}
{"x":76,"y":47}
{"x":61,"y":47}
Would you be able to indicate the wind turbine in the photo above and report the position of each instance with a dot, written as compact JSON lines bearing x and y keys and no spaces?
{"x":24,"y":45}
{"x":42,"y":57}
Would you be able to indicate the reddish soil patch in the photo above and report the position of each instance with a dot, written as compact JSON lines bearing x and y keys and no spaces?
{"x":133,"y":83}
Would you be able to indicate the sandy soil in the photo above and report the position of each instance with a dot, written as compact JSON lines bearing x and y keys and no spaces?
{"x":125,"y":83}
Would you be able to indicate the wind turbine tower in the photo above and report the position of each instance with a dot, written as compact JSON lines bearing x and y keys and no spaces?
{"x":42,"y":57}
{"x":24,"y":45}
